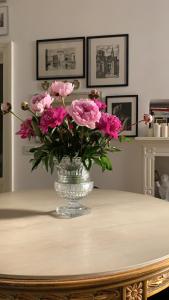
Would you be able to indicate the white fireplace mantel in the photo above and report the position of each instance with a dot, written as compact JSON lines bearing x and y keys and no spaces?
{"x":147,"y":138}
{"x":152,"y":147}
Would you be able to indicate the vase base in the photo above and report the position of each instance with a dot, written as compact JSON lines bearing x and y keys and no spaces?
{"x":65,"y":212}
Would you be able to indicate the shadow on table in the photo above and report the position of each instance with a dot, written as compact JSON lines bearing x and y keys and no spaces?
{"x":22,"y":213}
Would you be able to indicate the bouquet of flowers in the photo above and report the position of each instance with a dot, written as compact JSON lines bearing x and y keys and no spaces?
{"x":81,"y":129}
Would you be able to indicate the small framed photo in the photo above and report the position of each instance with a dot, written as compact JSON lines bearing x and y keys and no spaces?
{"x":107,"y":60}
{"x":125,"y":107}
{"x":3,"y":20}
{"x":60,"y":58}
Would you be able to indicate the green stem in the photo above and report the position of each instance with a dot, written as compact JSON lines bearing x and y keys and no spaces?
{"x":33,"y":114}
{"x":63,"y":101}
{"x":16,"y":116}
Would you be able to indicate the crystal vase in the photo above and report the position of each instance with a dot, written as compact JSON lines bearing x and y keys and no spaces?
{"x":72,"y":185}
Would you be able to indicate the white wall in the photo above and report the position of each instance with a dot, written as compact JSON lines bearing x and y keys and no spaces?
{"x":147,"y":23}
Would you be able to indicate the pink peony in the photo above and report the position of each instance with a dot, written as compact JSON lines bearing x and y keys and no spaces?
{"x":101,"y":105}
{"x":110,"y":125}
{"x":41,"y":102}
{"x":85,"y":112}
{"x":59,"y":88}
{"x":51,"y":118}
{"x":26,"y":130}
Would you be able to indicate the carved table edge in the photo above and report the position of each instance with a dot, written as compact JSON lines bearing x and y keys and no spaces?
{"x":138,"y":285}
{"x":94,"y":280}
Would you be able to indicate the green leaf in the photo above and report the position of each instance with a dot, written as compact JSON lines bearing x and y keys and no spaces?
{"x":106,"y":163}
{"x":35,"y":163}
{"x":45,"y":162}
{"x":35,"y":126}
{"x":97,"y":161}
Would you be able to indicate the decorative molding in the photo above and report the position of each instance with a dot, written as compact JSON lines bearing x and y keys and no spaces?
{"x":150,"y":152}
{"x":150,"y":139}
{"x":158,"y":282}
{"x":134,"y":291}
{"x":115,"y":294}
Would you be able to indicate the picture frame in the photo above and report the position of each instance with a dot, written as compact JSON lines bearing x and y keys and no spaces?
{"x":107,"y":60}
{"x":125,"y":107}
{"x":62,"y":58}
{"x":3,"y":20}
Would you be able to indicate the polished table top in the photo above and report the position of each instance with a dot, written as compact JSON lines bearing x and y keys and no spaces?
{"x":122,"y":232}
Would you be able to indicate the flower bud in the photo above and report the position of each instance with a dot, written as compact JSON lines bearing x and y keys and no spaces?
{"x":94,"y":94}
{"x":24,"y":105}
{"x":6,"y":107}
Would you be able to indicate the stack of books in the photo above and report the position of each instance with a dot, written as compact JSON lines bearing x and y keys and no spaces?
{"x":160,"y":112}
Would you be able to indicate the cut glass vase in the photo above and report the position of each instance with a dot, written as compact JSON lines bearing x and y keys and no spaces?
{"x":72,"y":185}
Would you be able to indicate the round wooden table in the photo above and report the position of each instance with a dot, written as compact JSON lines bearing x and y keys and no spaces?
{"x":119,"y":251}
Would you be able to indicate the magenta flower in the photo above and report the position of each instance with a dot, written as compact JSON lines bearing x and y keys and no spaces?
{"x":110,"y":125}
{"x":85,"y":112}
{"x":26,"y":130}
{"x":51,"y":118}
{"x":59,"y":88}
{"x":41,"y":102}
{"x":101,"y":105}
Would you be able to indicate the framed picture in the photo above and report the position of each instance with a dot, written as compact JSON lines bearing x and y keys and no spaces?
{"x":60,"y":58}
{"x":126,"y":109}
{"x":107,"y":60}
{"x":3,"y":20}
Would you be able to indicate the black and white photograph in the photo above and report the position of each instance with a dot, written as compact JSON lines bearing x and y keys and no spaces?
{"x":61,"y":58}
{"x":107,"y":61}
{"x":125,"y":107}
{"x":3,"y":20}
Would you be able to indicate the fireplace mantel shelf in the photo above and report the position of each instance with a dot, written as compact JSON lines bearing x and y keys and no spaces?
{"x":149,"y":138}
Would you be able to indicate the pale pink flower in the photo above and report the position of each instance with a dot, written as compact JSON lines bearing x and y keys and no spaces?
{"x":59,"y":88}
{"x":41,"y":102}
{"x":5,"y":107}
{"x":147,"y":118}
{"x":26,"y":130}
{"x":52,"y":118}
{"x":85,"y":112}
{"x":110,"y":125}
